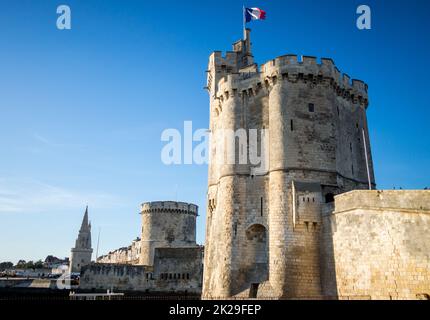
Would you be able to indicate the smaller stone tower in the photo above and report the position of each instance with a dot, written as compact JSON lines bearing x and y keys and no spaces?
{"x":166,"y":225}
{"x":81,"y":253}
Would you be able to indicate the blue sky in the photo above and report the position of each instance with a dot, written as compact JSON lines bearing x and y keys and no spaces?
{"x":82,"y":111}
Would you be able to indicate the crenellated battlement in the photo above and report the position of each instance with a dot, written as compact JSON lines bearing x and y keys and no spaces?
{"x":309,"y":69}
{"x":290,"y":68}
{"x":169,"y":207}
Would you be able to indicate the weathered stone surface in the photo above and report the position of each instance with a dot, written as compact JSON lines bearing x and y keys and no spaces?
{"x":318,"y":137}
{"x":377,"y":245}
{"x":166,"y":225}
{"x":176,"y":270}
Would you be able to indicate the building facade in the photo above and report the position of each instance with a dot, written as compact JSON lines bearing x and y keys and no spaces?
{"x":126,"y":255}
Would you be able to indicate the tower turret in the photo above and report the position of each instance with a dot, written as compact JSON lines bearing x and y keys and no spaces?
{"x":263,"y":228}
{"x":166,"y":224}
{"x":81,"y":253}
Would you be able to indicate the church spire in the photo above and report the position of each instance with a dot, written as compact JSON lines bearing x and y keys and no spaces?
{"x":81,"y":253}
{"x":85,"y":225}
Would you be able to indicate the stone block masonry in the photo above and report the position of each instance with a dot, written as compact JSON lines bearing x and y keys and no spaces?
{"x":270,"y":234}
{"x":176,"y":270}
{"x":379,"y":242}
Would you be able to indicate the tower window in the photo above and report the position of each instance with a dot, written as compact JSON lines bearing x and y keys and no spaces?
{"x":261,"y":206}
{"x":292,"y":125}
{"x":311,"y":107}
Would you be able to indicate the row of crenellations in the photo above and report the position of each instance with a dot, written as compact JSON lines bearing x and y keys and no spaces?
{"x":291,"y":67}
{"x":169,"y":206}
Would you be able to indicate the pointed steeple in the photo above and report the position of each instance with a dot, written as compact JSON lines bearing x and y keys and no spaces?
{"x":81,"y":253}
{"x":85,"y":225}
{"x":84,"y":237}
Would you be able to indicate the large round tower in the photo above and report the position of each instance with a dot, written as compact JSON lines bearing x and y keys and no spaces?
{"x":263,"y":221}
{"x":166,"y":225}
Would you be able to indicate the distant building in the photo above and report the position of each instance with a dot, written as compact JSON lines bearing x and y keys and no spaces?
{"x":62,"y":269}
{"x":166,"y":259}
{"x":81,"y":253}
{"x":52,"y":262}
{"x":125,"y":255}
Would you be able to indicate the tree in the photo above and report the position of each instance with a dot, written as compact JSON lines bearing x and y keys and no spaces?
{"x":21,"y":264}
{"x":38,"y":265}
{"x":5,"y":266}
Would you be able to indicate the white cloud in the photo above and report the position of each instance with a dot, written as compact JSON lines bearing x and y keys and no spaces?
{"x":37,"y":197}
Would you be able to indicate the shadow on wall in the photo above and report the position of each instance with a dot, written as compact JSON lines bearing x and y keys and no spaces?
{"x":328,"y":267}
{"x":255,"y":269}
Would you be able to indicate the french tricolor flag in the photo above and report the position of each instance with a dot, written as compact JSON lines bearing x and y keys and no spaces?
{"x":254,"y":14}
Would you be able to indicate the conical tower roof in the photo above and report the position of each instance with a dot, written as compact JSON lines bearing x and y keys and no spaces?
{"x":85,"y":224}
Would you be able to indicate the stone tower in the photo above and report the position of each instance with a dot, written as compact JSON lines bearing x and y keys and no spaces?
{"x":166,"y":224}
{"x":81,"y":253}
{"x":263,"y":225}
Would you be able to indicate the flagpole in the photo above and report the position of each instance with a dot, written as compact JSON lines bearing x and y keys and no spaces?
{"x":98,"y":243}
{"x":367,"y":160}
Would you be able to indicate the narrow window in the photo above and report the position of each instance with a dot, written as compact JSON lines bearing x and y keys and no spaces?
{"x":338,"y":112}
{"x":292,"y":125}
{"x":311,"y":107}
{"x":261,"y":206}
{"x":352,"y":169}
